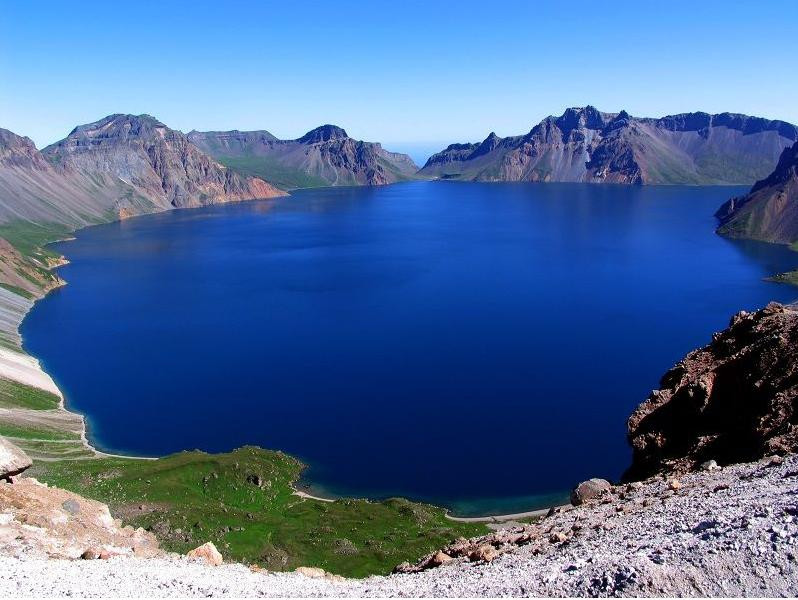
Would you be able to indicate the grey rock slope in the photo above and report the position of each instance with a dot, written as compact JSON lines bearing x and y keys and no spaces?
{"x":322,"y":157}
{"x":730,"y":532}
{"x":584,"y":144}
{"x":769,"y":212}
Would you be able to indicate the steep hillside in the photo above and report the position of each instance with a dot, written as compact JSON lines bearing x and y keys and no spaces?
{"x":324,"y":156}
{"x":119,"y":166}
{"x":769,"y":212}
{"x":587,"y":145}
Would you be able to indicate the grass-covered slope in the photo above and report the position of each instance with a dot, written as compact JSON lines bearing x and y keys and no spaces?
{"x":243,"y":502}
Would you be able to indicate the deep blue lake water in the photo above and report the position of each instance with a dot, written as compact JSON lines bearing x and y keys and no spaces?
{"x":476,"y":345}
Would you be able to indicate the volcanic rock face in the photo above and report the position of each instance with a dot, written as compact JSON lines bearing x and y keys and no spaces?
{"x":769,"y":212}
{"x":585,"y":144}
{"x":120,"y":166}
{"x":159,"y":163}
{"x":324,"y":156}
{"x":734,"y":400}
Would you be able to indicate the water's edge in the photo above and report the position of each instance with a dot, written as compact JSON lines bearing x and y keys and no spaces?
{"x":302,"y":487}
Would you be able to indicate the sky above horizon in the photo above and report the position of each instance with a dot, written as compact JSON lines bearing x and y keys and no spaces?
{"x":413,"y":75}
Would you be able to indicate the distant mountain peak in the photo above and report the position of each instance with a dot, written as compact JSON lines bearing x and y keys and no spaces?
{"x":119,"y":125}
{"x":582,"y":117}
{"x":585,"y":144}
{"x":324,"y":133}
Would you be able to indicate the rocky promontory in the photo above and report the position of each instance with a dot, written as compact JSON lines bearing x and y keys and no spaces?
{"x":769,"y":212}
{"x":734,"y":400}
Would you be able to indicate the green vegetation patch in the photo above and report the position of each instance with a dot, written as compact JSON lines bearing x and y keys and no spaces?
{"x":29,"y":238}
{"x":273,"y":171}
{"x":243,"y":502}
{"x":18,"y":395}
{"x":14,"y":430}
{"x":790,"y":277}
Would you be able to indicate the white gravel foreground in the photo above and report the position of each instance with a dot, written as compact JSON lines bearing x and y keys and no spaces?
{"x":731,"y":532}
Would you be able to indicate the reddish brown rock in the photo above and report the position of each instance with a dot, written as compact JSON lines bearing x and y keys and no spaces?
{"x":731,"y":401}
{"x":208,"y":553}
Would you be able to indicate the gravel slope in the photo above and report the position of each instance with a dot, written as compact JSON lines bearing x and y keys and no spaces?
{"x":730,"y":532}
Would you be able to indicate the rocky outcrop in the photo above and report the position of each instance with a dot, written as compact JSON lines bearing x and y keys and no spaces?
{"x":325,"y":156}
{"x":734,"y":400}
{"x":584,"y":144}
{"x":769,"y":212}
{"x":12,"y":459}
{"x":38,"y":521}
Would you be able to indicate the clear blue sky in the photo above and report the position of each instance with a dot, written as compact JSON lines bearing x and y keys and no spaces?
{"x":424,"y":73}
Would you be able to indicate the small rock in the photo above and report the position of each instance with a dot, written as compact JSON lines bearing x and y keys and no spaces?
{"x":710,"y":465}
{"x":90,"y":554}
{"x":71,"y":506}
{"x":590,"y":490}
{"x":208,"y":552}
{"x":314,"y":572}
{"x":439,"y":558}
{"x":485,"y":553}
{"x":557,"y":537}
{"x":674,"y":484}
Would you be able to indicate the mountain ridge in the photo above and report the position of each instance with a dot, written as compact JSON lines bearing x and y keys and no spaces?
{"x":587,"y":145}
{"x":116,"y":167}
{"x":324,"y":156}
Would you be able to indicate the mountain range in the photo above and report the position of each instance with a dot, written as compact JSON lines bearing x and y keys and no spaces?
{"x":586,"y":145}
{"x":769,"y":212}
{"x":125,"y":165}
{"x":325,"y":156}
{"x":119,"y":166}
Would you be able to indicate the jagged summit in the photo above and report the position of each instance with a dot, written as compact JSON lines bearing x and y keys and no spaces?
{"x":323,"y":133}
{"x":586,"y":144}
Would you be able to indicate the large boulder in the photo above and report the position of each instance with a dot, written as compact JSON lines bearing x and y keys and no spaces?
{"x":12,"y":460}
{"x":735,"y":400}
{"x":208,"y":553}
{"x":592,"y":489}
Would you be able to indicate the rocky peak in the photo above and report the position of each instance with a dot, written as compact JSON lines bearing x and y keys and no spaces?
{"x":489,"y":144}
{"x":581,"y":118}
{"x":117,"y":127}
{"x":735,"y":400}
{"x":324,"y":133}
{"x":16,"y":150}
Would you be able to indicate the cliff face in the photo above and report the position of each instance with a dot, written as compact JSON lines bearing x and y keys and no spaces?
{"x":120,"y":166}
{"x":587,"y":145}
{"x":769,"y":212}
{"x":324,"y":156}
{"x":734,"y":400}
{"x":159,"y":163}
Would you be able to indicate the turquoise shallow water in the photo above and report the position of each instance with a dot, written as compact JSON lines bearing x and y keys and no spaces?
{"x":476,"y":345}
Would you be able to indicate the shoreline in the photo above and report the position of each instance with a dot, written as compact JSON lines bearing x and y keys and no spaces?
{"x":38,"y":378}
